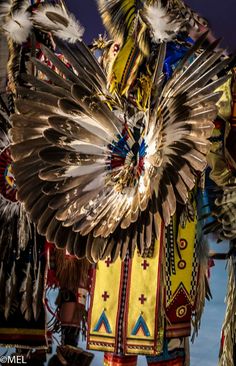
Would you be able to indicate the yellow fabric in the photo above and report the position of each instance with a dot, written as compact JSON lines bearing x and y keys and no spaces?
{"x":218,"y":155}
{"x":125,"y":66}
{"x":181,"y":279}
{"x":140,"y":284}
{"x":184,"y":276}
{"x":107,"y":279}
{"x":145,"y":339}
{"x":225,"y":103}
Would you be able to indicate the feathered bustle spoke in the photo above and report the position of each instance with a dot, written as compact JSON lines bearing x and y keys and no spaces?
{"x":105,"y":171}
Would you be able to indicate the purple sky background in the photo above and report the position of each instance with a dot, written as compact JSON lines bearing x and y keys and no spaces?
{"x":220,"y":14}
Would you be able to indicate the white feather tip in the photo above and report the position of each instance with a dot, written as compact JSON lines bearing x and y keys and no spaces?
{"x":163,"y":26}
{"x":17,"y":26}
{"x":59,"y":22}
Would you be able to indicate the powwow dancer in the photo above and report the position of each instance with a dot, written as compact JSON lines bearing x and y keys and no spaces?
{"x":116,"y":157}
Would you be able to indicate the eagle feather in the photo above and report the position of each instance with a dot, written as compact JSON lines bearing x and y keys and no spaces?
{"x":102,"y":167}
{"x":59,"y":22}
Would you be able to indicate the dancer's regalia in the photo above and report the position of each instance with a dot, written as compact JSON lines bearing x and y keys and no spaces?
{"x":223,"y":161}
{"x":113,"y":160}
{"x":22,"y":261}
{"x":23,"y":322}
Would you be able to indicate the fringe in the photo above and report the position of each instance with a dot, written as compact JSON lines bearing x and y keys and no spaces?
{"x":202,"y":255}
{"x":187,"y":352}
{"x":229,"y":325}
{"x":202,"y":285}
{"x":71,"y":272}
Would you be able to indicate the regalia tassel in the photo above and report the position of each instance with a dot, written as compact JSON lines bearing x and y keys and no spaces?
{"x":203,"y":292}
{"x":15,"y":21}
{"x":70,"y":271}
{"x":229,"y":326}
{"x":203,"y":289}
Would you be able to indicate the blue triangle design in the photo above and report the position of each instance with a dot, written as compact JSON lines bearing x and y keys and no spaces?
{"x":141,"y":324}
{"x":103,"y":321}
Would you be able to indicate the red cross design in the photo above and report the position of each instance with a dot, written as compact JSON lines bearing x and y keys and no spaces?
{"x":108,"y":262}
{"x":145,"y":265}
{"x":142,"y":299}
{"x":105,"y":296}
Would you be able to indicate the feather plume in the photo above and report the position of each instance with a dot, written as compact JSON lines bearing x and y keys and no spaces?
{"x":125,"y":25}
{"x":183,"y":11}
{"x":57,"y":20}
{"x":26,"y":290}
{"x":119,"y":17}
{"x":17,"y":25}
{"x":164,"y":26}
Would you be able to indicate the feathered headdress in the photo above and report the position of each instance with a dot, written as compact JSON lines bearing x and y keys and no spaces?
{"x":57,"y":20}
{"x":15,"y":20}
{"x":135,"y":25}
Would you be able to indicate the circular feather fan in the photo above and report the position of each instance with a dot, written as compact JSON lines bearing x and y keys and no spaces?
{"x":93,"y":171}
